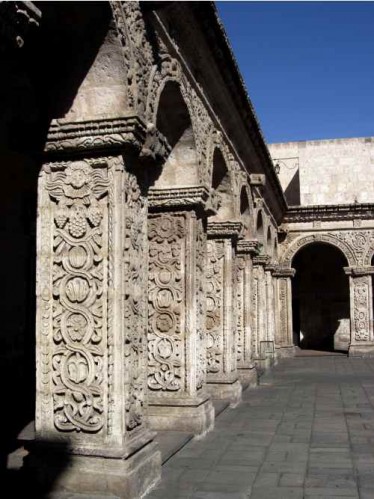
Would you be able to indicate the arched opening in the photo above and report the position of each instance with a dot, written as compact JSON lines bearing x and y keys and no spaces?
{"x":320,"y":299}
{"x":221,"y":183}
{"x":275,"y":250}
{"x":269,"y":244}
{"x":174,"y":122}
{"x":245,"y":212}
{"x":260,"y":230}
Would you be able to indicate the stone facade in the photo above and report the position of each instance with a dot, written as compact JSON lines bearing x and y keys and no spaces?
{"x":164,"y":244}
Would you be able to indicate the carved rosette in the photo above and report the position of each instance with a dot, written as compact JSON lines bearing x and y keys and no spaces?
{"x":214,"y":305}
{"x":78,"y":207}
{"x":166,"y":298}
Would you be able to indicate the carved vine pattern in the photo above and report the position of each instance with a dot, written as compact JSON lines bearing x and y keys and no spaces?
{"x":79,"y":193}
{"x":166,"y":298}
{"x":361,"y":308}
{"x":135,"y":301}
{"x":240,"y":325}
{"x":201,"y":258}
{"x":214,"y":305}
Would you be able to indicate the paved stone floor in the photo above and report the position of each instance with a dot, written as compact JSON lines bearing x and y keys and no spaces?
{"x":306,"y":432}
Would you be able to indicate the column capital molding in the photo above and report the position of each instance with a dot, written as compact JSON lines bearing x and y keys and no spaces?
{"x":261,"y":260}
{"x":124,"y":133}
{"x":182,"y":198}
{"x":248,"y":247}
{"x":359,"y":271}
{"x":224,"y":229}
{"x":283,"y":271}
{"x":17,"y":19}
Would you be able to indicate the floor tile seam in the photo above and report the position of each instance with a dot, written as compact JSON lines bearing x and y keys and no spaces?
{"x":353,"y":460}
{"x":311,"y":433}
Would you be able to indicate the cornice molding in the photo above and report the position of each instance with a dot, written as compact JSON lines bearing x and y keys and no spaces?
{"x":359,"y":271}
{"x":224,"y":229}
{"x":329,"y":212}
{"x":248,"y":247}
{"x":180,"y":198}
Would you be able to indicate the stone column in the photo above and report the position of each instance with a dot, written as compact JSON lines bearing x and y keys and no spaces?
{"x":284,"y":343}
{"x":246,"y":366}
{"x":177,"y":394}
{"x":270,"y":301}
{"x":223,"y":382}
{"x":260,"y":311}
{"x":361,"y":311}
{"x":92,"y":251}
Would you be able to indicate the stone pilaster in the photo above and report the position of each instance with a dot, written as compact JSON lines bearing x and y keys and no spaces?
{"x":270,"y":302}
{"x":284,"y":343}
{"x":246,"y":366}
{"x":223,"y":382}
{"x":361,"y":311}
{"x":92,"y":250}
{"x":177,"y":393}
{"x":261,"y":346}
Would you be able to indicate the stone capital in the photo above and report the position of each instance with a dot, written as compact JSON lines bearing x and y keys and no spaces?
{"x":359,"y":271}
{"x":261,"y":260}
{"x":127,"y":133}
{"x":283,"y":271}
{"x":223,"y":230}
{"x":183,"y":198}
{"x":248,"y":247}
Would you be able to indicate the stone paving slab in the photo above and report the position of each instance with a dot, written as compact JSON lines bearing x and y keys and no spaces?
{"x":306,"y":432}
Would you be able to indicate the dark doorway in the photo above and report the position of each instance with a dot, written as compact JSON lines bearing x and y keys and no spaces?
{"x":320,"y":299}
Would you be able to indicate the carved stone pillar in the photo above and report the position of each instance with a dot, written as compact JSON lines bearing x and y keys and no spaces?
{"x":284,"y":343}
{"x":361,"y":310}
{"x":223,"y":382}
{"x":262,"y":346}
{"x":270,"y":301}
{"x":92,"y":253}
{"x":246,"y":366}
{"x":177,"y":393}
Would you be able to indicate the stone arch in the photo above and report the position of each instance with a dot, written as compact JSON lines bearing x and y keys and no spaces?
{"x":303,"y":241}
{"x":173,"y":120}
{"x":269,"y":241}
{"x":169,"y":70}
{"x":260,"y":229}
{"x":222,"y":185}
{"x":245,"y":211}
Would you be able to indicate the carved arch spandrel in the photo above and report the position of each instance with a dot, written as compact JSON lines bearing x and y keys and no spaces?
{"x":301,"y":242}
{"x":169,"y":70}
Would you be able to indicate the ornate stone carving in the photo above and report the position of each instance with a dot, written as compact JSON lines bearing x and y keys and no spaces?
{"x":361,"y":308}
{"x":201,"y":259}
{"x":240,"y":306}
{"x":96,"y":134}
{"x":283,"y":310}
{"x":166,"y":295}
{"x":339,"y":239}
{"x":214,"y":305}
{"x":79,"y":192}
{"x":135,"y":301}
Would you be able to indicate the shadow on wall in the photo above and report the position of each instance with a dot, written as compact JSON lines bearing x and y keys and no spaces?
{"x":320,"y":304}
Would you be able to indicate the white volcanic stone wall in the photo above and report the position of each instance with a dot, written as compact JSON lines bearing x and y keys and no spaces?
{"x":338,"y":171}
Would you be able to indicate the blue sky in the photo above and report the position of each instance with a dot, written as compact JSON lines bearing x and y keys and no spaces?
{"x":308,"y":66}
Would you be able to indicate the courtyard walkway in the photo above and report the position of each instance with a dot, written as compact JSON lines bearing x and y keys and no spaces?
{"x":306,"y":432}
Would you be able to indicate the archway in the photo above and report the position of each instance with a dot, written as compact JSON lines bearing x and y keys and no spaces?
{"x":222,"y":186}
{"x":245,"y":212}
{"x":320,"y":299}
{"x":260,"y":230}
{"x":174,"y":122}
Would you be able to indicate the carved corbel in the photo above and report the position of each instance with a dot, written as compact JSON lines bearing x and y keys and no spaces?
{"x":283,"y":271}
{"x":249,"y":247}
{"x":224,"y":230}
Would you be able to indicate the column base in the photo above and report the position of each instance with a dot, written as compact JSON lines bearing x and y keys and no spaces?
{"x":248,"y":376}
{"x":195,"y":418}
{"x":231,"y":391}
{"x":361,"y":351}
{"x":59,"y":473}
{"x":285,"y":352}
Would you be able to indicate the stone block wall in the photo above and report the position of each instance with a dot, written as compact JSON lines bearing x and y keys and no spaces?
{"x":337,"y":171}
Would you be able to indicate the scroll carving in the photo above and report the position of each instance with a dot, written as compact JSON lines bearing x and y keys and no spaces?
{"x":201,"y":258}
{"x":240,"y":319}
{"x":135,"y":301}
{"x":361,"y":308}
{"x":166,"y":297}
{"x":214,"y":305}
{"x":79,"y":195}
